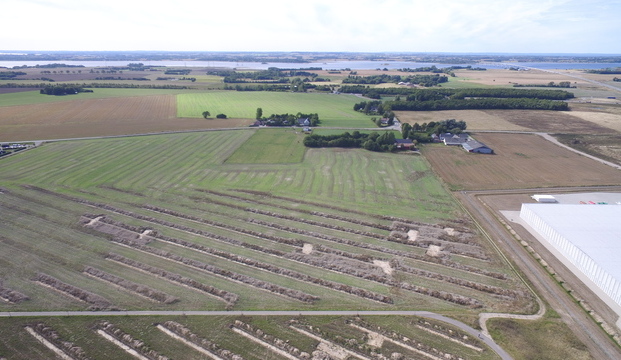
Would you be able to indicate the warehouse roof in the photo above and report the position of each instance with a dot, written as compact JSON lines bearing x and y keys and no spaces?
{"x":594,"y":229}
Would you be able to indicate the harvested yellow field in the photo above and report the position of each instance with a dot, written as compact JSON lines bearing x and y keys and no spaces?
{"x":611,"y":121}
{"x":509,"y":77}
{"x":476,"y":119}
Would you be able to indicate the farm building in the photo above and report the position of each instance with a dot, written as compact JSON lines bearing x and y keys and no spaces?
{"x":587,"y":239}
{"x":474,"y":146}
{"x":544,"y":198}
{"x":454,"y":139}
{"x":405,"y":144}
{"x":304,"y":122}
{"x":464,"y":140}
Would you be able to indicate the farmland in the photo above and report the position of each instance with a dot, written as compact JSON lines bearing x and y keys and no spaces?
{"x":249,"y":219}
{"x":333,"y":110}
{"x":520,"y":161}
{"x":252,"y":337}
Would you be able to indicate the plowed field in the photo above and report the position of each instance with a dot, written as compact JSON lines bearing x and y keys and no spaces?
{"x":99,"y":117}
{"x":521,"y":161}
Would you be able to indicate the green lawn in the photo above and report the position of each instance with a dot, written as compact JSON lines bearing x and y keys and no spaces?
{"x":333,"y":110}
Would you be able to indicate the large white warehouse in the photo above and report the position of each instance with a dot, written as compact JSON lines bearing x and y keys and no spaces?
{"x":587,"y":239}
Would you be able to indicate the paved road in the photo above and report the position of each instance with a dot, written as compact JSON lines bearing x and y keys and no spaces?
{"x":599,"y":344}
{"x":475,"y":333}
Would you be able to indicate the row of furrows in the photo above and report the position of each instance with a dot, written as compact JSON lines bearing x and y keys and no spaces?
{"x":131,"y":286}
{"x":455,"y":223}
{"x":451,"y":243}
{"x":128,"y":340}
{"x":229,"y":275}
{"x":430,"y":292}
{"x":368,"y":272}
{"x":229,"y":297}
{"x":357,"y":271}
{"x":97,"y":302}
{"x":262,"y":265}
{"x":434,"y":260}
{"x":48,"y":333}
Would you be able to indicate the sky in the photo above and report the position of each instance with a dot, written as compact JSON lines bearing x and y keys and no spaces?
{"x":464,"y":26}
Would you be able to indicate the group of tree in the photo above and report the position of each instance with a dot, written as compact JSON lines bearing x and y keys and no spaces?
{"x":121,"y":78}
{"x":177,"y":71}
{"x":422,"y":133}
{"x":552,"y":84}
{"x":9,"y":75}
{"x":446,"y":70}
{"x":616,"y":79}
{"x":373,"y":107}
{"x":166,"y":78}
{"x":423,"y":80}
{"x":287,"y":119}
{"x":608,"y":71}
{"x":477,"y":103}
{"x":63,"y":89}
{"x":373,"y":141}
{"x":445,"y":93}
{"x":269,"y":76}
{"x":206,"y":114}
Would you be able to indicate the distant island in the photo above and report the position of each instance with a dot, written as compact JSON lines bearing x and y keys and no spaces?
{"x":300,"y":57}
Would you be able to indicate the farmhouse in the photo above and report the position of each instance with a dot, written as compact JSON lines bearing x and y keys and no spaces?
{"x":454,"y":139}
{"x":587,"y":239}
{"x":466,"y":142}
{"x":404,"y":144}
{"x":304,"y":122}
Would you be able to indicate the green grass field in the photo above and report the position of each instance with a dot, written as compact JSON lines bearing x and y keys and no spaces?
{"x":34,"y":97}
{"x":270,"y":146}
{"x":333,"y":110}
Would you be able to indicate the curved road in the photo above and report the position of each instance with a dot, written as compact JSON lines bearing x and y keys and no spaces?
{"x":476,"y":333}
{"x":584,"y":327}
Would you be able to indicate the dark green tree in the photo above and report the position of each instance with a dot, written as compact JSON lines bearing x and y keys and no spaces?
{"x":206,"y":114}
{"x":259,"y":113}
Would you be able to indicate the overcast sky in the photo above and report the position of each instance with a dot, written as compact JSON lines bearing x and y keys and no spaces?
{"x":529,"y":26}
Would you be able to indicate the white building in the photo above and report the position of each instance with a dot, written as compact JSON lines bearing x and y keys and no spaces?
{"x":587,"y":239}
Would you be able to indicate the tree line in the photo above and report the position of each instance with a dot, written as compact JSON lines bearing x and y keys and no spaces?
{"x":287,"y":119}
{"x":63,"y":89}
{"x":552,"y":84}
{"x":373,"y":141}
{"x":478,"y":103}
{"x":422,"y":133}
{"x":271,"y":75}
{"x":442,"y":93}
{"x":606,"y":71}
{"x":423,"y":80}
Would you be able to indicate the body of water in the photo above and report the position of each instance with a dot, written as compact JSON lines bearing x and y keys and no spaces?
{"x":332,"y":65}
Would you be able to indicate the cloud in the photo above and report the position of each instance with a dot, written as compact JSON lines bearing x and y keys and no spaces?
{"x":315,"y":25}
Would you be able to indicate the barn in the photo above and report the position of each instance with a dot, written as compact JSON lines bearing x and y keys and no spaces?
{"x":474,"y":146}
{"x":587,"y":239}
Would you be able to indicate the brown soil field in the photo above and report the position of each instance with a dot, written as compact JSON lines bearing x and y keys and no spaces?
{"x":14,"y":90}
{"x":100,"y":117}
{"x":506,"y":77}
{"x":518,"y":120}
{"x":475,"y":119}
{"x":521,"y":161}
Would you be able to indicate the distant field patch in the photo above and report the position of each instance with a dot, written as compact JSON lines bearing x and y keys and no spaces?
{"x":521,"y":161}
{"x":100,"y":117}
{"x":475,"y":119}
{"x":270,"y":146}
{"x":333,"y":110}
{"x":33,"y":97}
